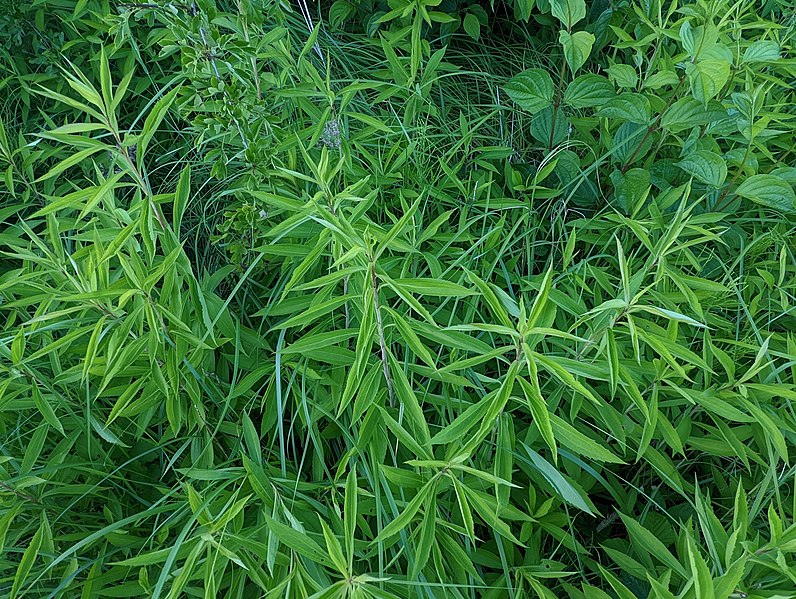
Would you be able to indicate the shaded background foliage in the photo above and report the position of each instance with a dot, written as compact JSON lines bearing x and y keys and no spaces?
{"x":406,"y":299}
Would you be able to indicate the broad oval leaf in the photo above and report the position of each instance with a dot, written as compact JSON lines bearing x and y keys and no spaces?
{"x":471,"y":26}
{"x":623,"y":75}
{"x":577,"y":47}
{"x":707,"y":77}
{"x":532,"y":90}
{"x":762,"y":51}
{"x":681,"y":115}
{"x":769,"y":190}
{"x":705,"y":166}
{"x":629,"y":107}
{"x":589,"y":91}
{"x":568,"y":12}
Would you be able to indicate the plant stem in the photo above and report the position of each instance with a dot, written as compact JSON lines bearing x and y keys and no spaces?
{"x":557,"y":101}
{"x":380,"y":327}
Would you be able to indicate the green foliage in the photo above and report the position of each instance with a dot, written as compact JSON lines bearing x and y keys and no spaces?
{"x":415,"y":299}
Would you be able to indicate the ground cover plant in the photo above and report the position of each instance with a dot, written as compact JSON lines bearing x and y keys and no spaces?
{"x":415,"y":298}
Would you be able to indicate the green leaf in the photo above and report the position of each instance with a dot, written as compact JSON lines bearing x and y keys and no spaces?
{"x":46,"y":410}
{"x":683,"y":114}
{"x":647,"y":541}
{"x":569,"y":12}
{"x":67,"y":163}
{"x":298,"y":541}
{"x":571,"y":438}
{"x":545,"y":128}
{"x":27,"y":560}
{"x":433,"y":287}
{"x":427,"y":538}
{"x":319,"y":340}
{"x":768,"y":190}
{"x":552,"y":365}
{"x":623,"y":75}
{"x":397,"y":229}
{"x":491,"y":299}
{"x":727,"y":583}
{"x":339,"y":12}
{"x":496,"y":406}
{"x":589,"y":91}
{"x":471,"y":26}
{"x":181,"y":195}
{"x":405,"y":517}
{"x":406,"y":395}
{"x":707,"y":77}
{"x":705,"y":166}
{"x":703,"y":581}
{"x":563,"y":487}
{"x":622,"y":592}
{"x":532,"y":90}
{"x":350,"y":513}
{"x":539,"y":411}
{"x":404,"y":436}
{"x":627,"y":106}
{"x":314,"y":312}
{"x":631,"y":188}
{"x":411,"y":339}
{"x":577,"y":47}
{"x":461,"y":425}
{"x":761,"y":51}
{"x":661,"y":79}
{"x":153,"y":120}
{"x":334,"y":548}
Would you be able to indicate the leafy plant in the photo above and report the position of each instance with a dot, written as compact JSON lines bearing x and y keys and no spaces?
{"x":337,"y":303}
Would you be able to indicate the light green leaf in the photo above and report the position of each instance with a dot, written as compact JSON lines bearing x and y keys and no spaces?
{"x":577,"y":47}
{"x":412,"y":409}
{"x":405,"y":517}
{"x":26,"y":561}
{"x":554,"y":367}
{"x":571,"y":438}
{"x":460,"y":425}
{"x":703,"y":581}
{"x":623,"y":75}
{"x":539,"y":411}
{"x":761,"y":51}
{"x":350,"y":513}
{"x":768,"y":190}
{"x":707,"y":77}
{"x":427,"y":538}
{"x":67,"y":163}
{"x":433,"y":287}
{"x":569,"y":12}
{"x":153,"y":120}
{"x":334,"y":548}
{"x":46,"y":410}
{"x":403,"y":435}
{"x":660,"y":79}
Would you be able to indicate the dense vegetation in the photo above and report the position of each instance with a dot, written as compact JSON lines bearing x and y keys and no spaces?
{"x":424,"y":298}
